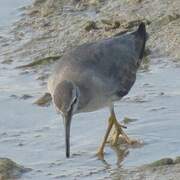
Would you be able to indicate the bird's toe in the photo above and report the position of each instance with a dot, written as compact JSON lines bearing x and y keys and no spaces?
{"x":100,"y":155}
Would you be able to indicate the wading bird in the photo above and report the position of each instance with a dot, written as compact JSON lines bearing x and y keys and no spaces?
{"x":95,"y":75}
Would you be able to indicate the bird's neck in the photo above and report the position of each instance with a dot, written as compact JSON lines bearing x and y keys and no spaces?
{"x":84,"y":97}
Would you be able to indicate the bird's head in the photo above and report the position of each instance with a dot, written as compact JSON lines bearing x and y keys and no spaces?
{"x":66,"y":100}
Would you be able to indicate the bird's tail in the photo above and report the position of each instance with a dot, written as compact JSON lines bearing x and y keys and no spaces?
{"x":143,"y":36}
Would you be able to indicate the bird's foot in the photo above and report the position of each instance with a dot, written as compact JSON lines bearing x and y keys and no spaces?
{"x":100,"y":154}
{"x":119,"y":134}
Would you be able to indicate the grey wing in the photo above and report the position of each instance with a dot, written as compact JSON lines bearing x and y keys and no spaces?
{"x":111,"y":62}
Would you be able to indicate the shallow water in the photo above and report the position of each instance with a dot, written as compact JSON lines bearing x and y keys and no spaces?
{"x":9,"y":11}
{"x":34,"y":136}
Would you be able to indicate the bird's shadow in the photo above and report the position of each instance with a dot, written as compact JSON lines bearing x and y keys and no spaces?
{"x":121,"y":152}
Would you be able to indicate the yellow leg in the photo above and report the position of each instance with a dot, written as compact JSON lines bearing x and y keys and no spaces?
{"x":100,"y":152}
{"x":119,"y":131}
{"x":112,"y":120}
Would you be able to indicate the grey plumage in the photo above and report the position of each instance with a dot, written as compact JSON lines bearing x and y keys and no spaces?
{"x":103,"y":71}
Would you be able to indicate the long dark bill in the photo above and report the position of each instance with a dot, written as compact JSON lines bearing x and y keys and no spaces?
{"x":67,"y":125}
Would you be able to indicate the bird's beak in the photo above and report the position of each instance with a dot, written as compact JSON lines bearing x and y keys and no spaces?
{"x":67,"y":125}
